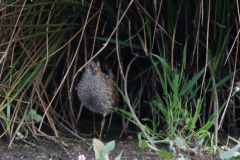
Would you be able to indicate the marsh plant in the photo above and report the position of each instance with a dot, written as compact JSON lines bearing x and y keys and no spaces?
{"x":179,"y":150}
{"x":102,"y":151}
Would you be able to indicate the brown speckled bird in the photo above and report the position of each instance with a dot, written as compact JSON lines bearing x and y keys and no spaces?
{"x":97,"y":91}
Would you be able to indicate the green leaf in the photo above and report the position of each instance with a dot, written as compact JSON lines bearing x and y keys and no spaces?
{"x":194,"y":93}
{"x":34,"y":35}
{"x":28,"y":118}
{"x":143,"y":144}
{"x":119,"y":156}
{"x":165,"y":65}
{"x":224,"y":80}
{"x":125,"y":112}
{"x":197,"y":113}
{"x":230,"y":153}
{"x":191,"y":83}
{"x":38,"y":118}
{"x":8,"y":111}
{"x":139,"y":136}
{"x":97,"y":147}
{"x":159,"y":75}
{"x":20,"y":135}
{"x":108,"y":147}
{"x":32,"y":112}
{"x":123,"y":95}
{"x":162,"y":108}
{"x":179,"y":141}
{"x":165,"y":155}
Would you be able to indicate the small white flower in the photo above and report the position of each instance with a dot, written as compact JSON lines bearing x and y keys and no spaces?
{"x":81,"y":157}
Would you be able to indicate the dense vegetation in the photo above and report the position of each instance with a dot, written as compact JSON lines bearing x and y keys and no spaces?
{"x":176,"y":64}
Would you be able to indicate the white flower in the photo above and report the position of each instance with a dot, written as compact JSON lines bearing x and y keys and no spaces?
{"x":81,"y":157}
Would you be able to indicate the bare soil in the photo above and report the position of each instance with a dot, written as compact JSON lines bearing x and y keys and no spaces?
{"x":46,"y":149}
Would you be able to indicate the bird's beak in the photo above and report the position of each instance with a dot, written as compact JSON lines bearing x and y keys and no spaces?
{"x":95,"y":70}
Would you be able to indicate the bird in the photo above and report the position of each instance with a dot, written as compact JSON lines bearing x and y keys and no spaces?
{"x":97,"y":92}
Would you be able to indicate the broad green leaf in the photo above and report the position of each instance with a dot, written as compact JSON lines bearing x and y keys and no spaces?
{"x":165,"y":155}
{"x":106,"y":149}
{"x":97,"y":147}
{"x":38,"y":118}
{"x":231,"y":153}
{"x":143,"y":143}
{"x":28,"y":118}
{"x":32,"y":112}
{"x":179,"y":141}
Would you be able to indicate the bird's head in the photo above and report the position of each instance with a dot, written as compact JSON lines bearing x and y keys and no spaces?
{"x":94,"y":67}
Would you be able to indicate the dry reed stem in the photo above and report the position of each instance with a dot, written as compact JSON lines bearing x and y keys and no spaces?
{"x":129,"y":104}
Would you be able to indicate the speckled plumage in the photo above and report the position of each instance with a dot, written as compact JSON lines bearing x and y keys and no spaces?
{"x":97,"y":91}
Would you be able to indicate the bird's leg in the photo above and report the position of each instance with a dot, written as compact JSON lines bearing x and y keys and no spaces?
{"x":102,"y":125}
{"x":94,"y":126}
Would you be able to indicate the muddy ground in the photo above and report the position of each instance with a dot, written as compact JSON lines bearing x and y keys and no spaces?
{"x":47,"y":149}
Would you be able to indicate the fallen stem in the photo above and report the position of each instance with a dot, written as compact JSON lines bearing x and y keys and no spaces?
{"x":129,"y":104}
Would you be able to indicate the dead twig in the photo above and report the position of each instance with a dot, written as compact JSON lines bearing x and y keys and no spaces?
{"x":129,"y":104}
{"x":71,"y":131}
